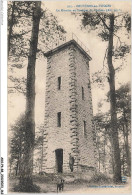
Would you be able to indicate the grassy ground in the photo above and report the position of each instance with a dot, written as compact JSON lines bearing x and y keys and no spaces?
{"x":48,"y":185}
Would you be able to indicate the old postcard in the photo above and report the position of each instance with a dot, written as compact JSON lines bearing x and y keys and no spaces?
{"x":69,"y":92}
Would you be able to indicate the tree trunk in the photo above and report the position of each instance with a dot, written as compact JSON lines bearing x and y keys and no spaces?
{"x":116,"y":150}
{"x":11,"y":26}
{"x":99,"y":161}
{"x":128,"y":155}
{"x":17,"y":165}
{"x":112,"y":163}
{"x":125,"y":134}
{"x":20,"y":155}
{"x":112,"y":158}
{"x":123,"y":162}
{"x":10,"y":168}
{"x":42,"y":156}
{"x":104,"y":165}
{"x":97,"y":146}
{"x":27,"y":166}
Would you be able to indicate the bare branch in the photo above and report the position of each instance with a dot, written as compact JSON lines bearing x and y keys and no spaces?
{"x":118,"y":38}
{"x":102,"y":21}
{"x":119,"y":15}
{"x":20,"y":90}
{"x":104,"y":57}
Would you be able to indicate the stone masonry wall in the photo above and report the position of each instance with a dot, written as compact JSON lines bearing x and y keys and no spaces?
{"x":72,"y":67}
{"x":58,"y":101}
{"x":85,"y":113}
{"x":73,"y":106}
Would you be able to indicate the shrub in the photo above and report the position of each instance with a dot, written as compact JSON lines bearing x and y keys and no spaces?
{"x":32,"y":188}
{"x":100,"y":178}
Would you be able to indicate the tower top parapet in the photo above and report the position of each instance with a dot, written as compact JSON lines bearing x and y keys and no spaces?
{"x":61,"y":45}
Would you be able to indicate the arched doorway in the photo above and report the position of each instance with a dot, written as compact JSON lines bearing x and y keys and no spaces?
{"x":59,"y":160}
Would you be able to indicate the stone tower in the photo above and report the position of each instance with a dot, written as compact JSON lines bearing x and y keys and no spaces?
{"x":68,"y":111}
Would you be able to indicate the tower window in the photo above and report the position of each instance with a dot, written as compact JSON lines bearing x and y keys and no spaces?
{"x":84,"y":129}
{"x":59,"y":119}
{"x":59,"y":83}
{"x":89,"y":84}
{"x":82,"y":93}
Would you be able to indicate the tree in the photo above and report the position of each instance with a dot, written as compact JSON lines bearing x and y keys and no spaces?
{"x":28,"y":47}
{"x":106,"y":26}
{"x":10,"y":23}
{"x":39,"y":141}
{"x":123,"y":103}
{"x":103,"y":141}
{"x":27,"y":168}
{"x":103,"y":131}
{"x":19,"y":17}
{"x":17,"y":143}
{"x":19,"y":14}
{"x":117,"y":162}
{"x":26,"y":160}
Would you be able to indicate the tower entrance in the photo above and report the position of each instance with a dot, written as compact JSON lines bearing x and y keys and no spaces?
{"x":59,"y":160}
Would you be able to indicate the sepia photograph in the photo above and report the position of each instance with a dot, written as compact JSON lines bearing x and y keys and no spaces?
{"x":69,"y":96}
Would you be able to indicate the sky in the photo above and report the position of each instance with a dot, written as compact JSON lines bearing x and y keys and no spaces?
{"x":16,"y":102}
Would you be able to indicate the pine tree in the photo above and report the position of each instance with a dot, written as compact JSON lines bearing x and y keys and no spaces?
{"x":107,"y":26}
